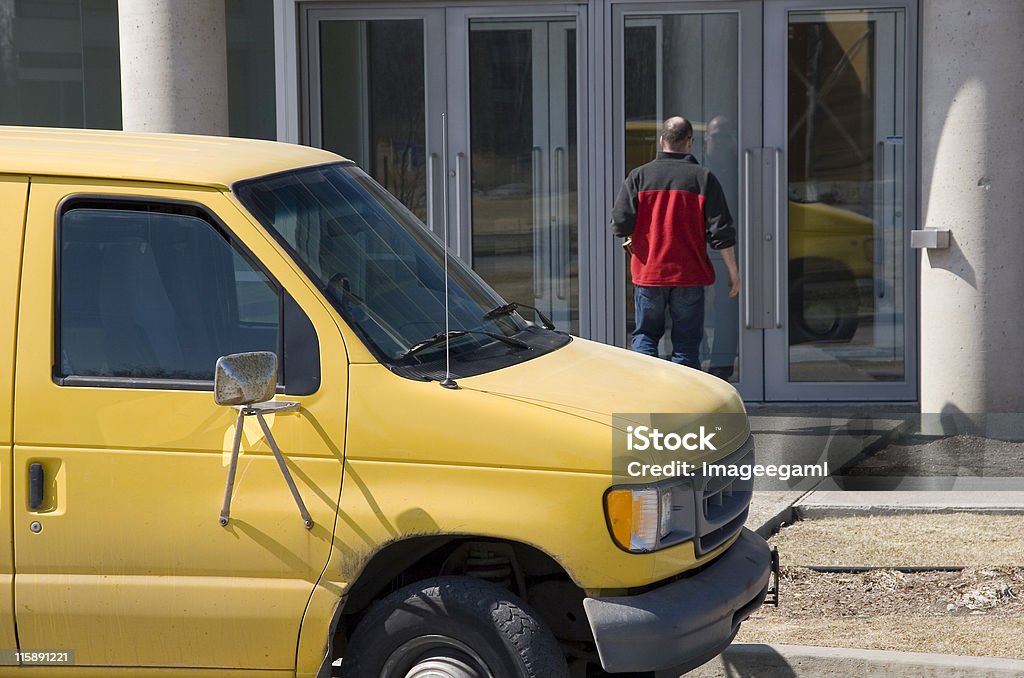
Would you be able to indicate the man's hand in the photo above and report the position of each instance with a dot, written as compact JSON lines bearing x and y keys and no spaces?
{"x":734,"y":283}
{"x":729,"y":257}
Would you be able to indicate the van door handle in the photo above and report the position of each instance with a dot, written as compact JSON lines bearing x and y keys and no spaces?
{"x":35,"y":486}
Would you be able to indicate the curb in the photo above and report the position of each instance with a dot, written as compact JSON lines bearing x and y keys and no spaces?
{"x":772,"y":522}
{"x":806,"y":512}
{"x":799,"y":661}
{"x":837,"y":504}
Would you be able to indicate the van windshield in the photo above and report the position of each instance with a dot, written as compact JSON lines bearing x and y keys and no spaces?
{"x":383,"y":270}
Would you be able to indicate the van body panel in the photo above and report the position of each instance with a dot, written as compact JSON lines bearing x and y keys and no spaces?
{"x":317,"y":630}
{"x":128,"y":268}
{"x":160,"y":158}
{"x":13,"y":200}
{"x":132,"y":568}
{"x":463,"y":448}
{"x":589,"y":377}
{"x":551,"y":511}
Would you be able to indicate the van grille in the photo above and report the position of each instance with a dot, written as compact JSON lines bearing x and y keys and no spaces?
{"x":722,"y":501}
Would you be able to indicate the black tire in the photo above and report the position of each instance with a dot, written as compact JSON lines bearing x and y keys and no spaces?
{"x":823,"y":307}
{"x":459,"y":625}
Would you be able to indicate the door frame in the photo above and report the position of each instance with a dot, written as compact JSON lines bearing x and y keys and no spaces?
{"x":308,"y":121}
{"x":446,"y":73}
{"x":749,"y":137}
{"x":778,"y":387}
{"x":459,"y":134}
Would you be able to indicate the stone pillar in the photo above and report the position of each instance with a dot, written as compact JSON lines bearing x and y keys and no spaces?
{"x":174,"y":72}
{"x":972,"y":135}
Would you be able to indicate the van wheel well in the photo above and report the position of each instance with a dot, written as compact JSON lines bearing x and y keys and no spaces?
{"x":528,"y":572}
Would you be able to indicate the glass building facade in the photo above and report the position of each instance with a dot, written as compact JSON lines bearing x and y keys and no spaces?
{"x":518,"y":122}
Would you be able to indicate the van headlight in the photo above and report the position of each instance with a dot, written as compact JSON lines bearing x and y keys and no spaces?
{"x":641,"y":518}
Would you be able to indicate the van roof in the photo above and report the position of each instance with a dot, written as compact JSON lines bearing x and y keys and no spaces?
{"x":164,"y":158}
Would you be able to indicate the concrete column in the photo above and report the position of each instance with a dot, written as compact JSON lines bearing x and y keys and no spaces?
{"x":174,"y":72}
{"x":972,"y":135}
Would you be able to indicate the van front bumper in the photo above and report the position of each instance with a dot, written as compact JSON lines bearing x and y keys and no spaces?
{"x":683,"y":624}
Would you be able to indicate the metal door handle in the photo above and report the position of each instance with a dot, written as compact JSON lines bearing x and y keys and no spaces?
{"x":538,"y":221}
{"x":745,"y":275}
{"x":562,"y":223}
{"x":35,"y":486}
{"x":459,"y":206}
{"x":432,"y":161}
{"x":444,"y":178}
{"x":778,"y":247}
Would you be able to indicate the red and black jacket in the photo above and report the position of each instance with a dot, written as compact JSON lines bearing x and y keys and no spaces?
{"x":674,"y":209}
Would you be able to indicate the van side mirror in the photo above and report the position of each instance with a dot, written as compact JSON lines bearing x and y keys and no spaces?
{"x":248,"y":381}
{"x":245,"y":378}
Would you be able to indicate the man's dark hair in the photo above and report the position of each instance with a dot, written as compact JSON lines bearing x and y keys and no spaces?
{"x":676,"y":131}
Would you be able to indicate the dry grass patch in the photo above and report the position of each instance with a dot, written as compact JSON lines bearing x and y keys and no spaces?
{"x":978,"y":611}
{"x":955,"y":539}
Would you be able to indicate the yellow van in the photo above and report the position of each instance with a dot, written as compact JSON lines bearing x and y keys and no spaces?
{"x":251,"y":427}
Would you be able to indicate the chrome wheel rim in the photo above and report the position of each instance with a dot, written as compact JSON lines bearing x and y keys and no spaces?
{"x":435,"y":656}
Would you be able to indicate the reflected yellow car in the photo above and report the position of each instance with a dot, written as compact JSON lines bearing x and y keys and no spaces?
{"x":831,"y":259}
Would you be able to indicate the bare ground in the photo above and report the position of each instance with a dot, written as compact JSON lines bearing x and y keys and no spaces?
{"x":977,"y":611}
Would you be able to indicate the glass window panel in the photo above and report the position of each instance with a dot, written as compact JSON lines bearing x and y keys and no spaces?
{"x":845,"y":107}
{"x":688,"y":65}
{"x":252,"y":106}
{"x":59,"y":64}
{"x":523,"y":137}
{"x":157,"y":296}
{"x":373,"y":102}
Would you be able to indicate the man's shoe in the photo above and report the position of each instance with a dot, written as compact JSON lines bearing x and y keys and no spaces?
{"x":722,"y":373}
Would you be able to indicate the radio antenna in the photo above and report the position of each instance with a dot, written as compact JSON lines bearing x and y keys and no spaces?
{"x":448,"y":382}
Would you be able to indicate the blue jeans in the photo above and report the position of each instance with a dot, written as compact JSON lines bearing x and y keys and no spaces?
{"x":686,"y":308}
{"x":725,"y":318}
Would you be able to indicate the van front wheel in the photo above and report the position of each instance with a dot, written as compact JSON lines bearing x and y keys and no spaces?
{"x":455,"y":627}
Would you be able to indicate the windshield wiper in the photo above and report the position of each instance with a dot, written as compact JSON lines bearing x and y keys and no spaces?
{"x":510,"y":308}
{"x":442,"y":337}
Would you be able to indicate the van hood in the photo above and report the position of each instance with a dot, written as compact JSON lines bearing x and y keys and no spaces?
{"x":596,"y":381}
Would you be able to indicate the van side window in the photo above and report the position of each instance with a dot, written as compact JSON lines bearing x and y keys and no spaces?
{"x":152,"y":294}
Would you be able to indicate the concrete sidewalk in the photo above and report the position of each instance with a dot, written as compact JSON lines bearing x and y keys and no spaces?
{"x":837,"y":503}
{"x":792,"y":661}
{"x":769,"y":510}
{"x":889,"y":460}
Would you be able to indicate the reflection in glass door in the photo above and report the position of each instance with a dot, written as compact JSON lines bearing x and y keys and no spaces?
{"x":523,"y":161}
{"x":812,"y":155}
{"x":685,"y":60}
{"x":846,"y":208}
{"x":379,"y":83}
{"x":372,"y":102}
{"x":686,"y":64}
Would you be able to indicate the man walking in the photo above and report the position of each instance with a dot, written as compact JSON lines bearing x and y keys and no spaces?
{"x":673,"y":208}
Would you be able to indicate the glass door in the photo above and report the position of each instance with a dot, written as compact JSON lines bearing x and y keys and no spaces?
{"x":703,"y":63}
{"x":809,"y":132}
{"x":841,"y":114}
{"x":505,"y":162}
{"x":373,"y":83}
{"x":514,"y":153}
